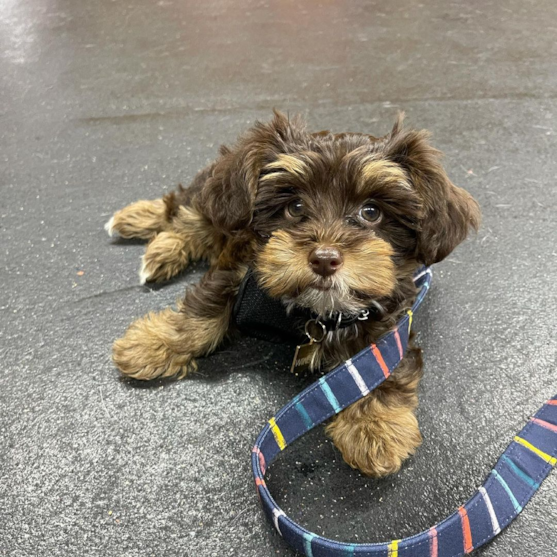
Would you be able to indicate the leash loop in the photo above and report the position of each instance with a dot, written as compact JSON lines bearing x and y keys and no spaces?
{"x":517,"y":475}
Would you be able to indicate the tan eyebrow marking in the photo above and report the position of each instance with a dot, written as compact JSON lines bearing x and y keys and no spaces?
{"x":290,"y":164}
{"x":387,"y":170}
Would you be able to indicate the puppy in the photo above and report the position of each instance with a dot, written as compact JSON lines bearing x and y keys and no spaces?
{"x":328,"y":224}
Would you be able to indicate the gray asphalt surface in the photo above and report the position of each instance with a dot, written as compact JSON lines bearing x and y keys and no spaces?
{"x":106,"y":102}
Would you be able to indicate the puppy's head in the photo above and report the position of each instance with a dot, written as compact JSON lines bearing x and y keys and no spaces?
{"x":339,"y":218}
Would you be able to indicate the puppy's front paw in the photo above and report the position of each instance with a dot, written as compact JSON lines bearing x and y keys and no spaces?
{"x":152,"y":348}
{"x":376,"y":445}
{"x":164,"y":258}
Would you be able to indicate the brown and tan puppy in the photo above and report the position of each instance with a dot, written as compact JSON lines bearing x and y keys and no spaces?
{"x":333,"y":223}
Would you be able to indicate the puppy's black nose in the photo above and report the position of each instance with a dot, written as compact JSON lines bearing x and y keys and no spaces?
{"x":325,"y":261}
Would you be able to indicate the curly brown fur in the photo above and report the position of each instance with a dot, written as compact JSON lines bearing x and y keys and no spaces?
{"x":328,"y":222}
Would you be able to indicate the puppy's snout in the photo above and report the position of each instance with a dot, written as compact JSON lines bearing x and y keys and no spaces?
{"x":325,"y":261}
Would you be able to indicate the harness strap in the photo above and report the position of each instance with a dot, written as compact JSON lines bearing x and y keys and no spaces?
{"x":526,"y":462}
{"x":257,"y":314}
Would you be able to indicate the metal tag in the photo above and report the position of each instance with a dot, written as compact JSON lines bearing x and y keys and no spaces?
{"x":303,"y":357}
{"x":305,"y":353}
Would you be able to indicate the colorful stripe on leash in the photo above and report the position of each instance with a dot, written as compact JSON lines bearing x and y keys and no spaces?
{"x":399,"y":344}
{"x":277,"y":433}
{"x":357,"y":377}
{"x":495,"y":528}
{"x":380,"y":360}
{"x":515,"y":478}
{"x":466,"y":532}
{"x":261,"y":458}
{"x":551,"y":460}
{"x":330,"y":395}
{"x":545,"y":424}
{"x":433,"y":543}
{"x":308,"y":536}
{"x":393,"y":548}
{"x":304,"y":415}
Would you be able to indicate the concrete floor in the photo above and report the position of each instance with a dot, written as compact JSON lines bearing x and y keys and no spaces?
{"x":106,"y":102}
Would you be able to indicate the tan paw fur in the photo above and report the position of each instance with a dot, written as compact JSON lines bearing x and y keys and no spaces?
{"x":142,"y":220}
{"x":153,"y":346}
{"x":375,"y":440}
{"x":164,"y":258}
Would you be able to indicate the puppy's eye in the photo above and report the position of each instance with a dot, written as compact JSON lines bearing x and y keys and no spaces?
{"x":370,"y":213}
{"x":295,"y":209}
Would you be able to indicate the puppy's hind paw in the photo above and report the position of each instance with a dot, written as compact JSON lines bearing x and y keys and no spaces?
{"x":109,"y":227}
{"x":142,"y":220}
{"x":164,"y":258}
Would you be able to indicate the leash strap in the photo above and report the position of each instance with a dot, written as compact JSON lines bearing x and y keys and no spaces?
{"x":526,"y":462}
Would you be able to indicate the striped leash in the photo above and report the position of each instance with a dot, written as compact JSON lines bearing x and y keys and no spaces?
{"x":526,"y":462}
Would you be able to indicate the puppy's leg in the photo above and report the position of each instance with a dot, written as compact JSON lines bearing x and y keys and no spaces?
{"x":380,"y":431}
{"x":142,"y":219}
{"x":166,"y":343}
{"x":190,"y":238}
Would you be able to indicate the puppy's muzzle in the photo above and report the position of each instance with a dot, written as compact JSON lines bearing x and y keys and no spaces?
{"x":325,"y":261}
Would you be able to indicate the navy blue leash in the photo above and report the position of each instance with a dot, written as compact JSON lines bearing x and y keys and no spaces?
{"x":526,"y":462}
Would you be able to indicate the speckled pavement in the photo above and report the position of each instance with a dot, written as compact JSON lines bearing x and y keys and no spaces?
{"x":103,"y":103}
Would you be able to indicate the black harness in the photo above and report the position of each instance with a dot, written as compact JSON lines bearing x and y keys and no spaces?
{"x":258,"y":315}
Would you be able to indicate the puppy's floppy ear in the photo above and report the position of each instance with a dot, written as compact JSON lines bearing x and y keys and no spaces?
{"x":449,"y":212}
{"x":228,"y":195}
